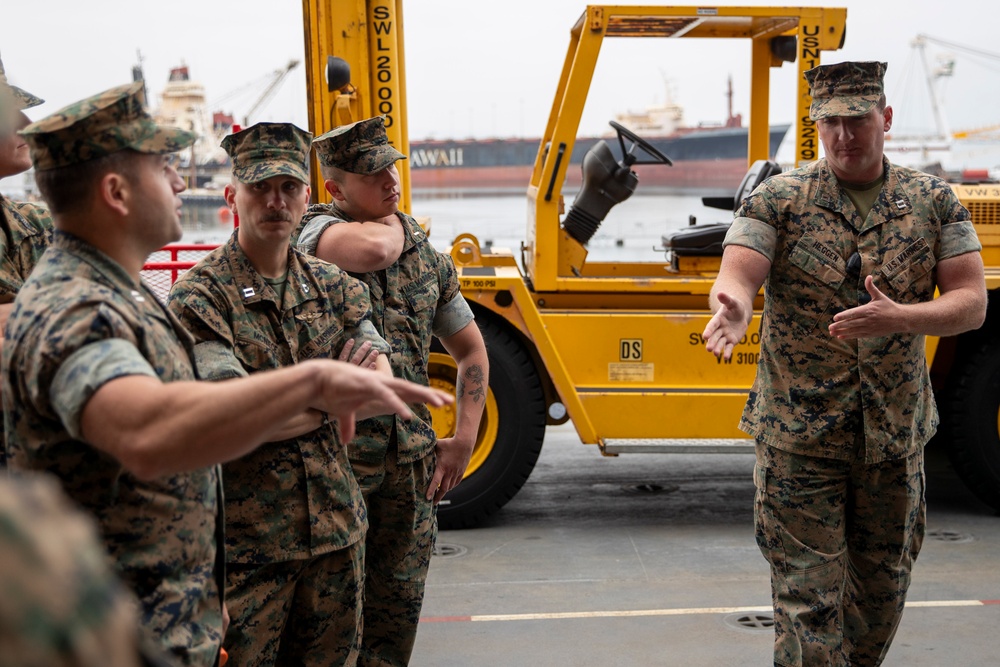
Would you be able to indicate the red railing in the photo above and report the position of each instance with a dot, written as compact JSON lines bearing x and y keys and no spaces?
{"x":160,"y":272}
{"x":175,"y":265}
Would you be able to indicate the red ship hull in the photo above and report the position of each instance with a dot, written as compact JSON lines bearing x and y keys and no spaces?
{"x":706,"y":161}
{"x":688,"y":177}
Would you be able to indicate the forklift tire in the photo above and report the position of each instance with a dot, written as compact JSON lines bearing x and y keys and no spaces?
{"x":973,"y":423}
{"x":510,"y":434}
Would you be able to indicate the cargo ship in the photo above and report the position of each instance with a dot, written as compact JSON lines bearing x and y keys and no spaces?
{"x":708,"y":159}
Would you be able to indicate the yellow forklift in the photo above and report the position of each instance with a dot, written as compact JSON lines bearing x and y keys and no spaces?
{"x":616,"y":347}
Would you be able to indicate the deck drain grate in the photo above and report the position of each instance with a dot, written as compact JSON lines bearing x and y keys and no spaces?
{"x":949,"y":536}
{"x":650,"y":488}
{"x":445,"y":550}
{"x":758,"y":621}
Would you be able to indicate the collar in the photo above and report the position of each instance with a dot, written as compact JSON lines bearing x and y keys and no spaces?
{"x":412,"y":232}
{"x":250,"y":285}
{"x":893,"y":201}
{"x":105,"y":266}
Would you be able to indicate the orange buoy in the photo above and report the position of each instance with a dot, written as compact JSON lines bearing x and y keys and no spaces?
{"x":225,"y":216}
{"x":975,"y":175}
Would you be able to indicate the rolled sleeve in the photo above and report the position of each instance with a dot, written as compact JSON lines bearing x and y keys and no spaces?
{"x":958,"y":238}
{"x":217,"y":361}
{"x":366,"y":331}
{"x":753,"y":234}
{"x":309,"y":236}
{"x":87,"y":370}
{"x":452,"y":317}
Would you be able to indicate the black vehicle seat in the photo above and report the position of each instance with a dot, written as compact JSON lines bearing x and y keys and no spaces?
{"x":697,"y":240}
{"x":706,"y":240}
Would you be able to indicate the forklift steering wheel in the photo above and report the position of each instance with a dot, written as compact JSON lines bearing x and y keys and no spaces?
{"x":629,"y":158}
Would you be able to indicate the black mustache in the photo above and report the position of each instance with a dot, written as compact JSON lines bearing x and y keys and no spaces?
{"x":278,"y":216}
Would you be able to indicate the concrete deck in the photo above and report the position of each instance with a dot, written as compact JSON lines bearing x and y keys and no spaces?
{"x":649,"y":559}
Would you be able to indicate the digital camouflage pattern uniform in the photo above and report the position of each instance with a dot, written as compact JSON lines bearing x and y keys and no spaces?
{"x":62,"y":605}
{"x":841,"y":424}
{"x":25,"y":228}
{"x":79,"y":322}
{"x":25,"y":233}
{"x":413,"y":299}
{"x":295,"y":518}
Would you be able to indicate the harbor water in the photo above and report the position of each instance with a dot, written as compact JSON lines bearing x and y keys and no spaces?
{"x":632,"y":230}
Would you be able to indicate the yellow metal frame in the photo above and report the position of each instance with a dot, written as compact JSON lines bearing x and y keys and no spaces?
{"x":576,"y":315}
{"x":368,"y":35}
{"x":983,"y":202}
{"x":554,"y":261}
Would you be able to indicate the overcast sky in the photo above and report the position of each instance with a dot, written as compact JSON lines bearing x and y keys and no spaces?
{"x":475,"y":68}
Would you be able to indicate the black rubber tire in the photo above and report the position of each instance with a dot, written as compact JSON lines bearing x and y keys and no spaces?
{"x":521,"y":429}
{"x":971,"y":431}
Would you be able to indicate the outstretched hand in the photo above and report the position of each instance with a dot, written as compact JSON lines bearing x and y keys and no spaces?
{"x":879,"y":317}
{"x":726,"y":327}
{"x":345,"y":388}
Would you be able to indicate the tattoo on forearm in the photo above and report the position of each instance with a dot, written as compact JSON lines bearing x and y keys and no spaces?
{"x":474,"y":375}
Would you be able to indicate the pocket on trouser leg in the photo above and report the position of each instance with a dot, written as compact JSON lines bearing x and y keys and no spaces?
{"x":764,"y":532}
{"x":917,"y":484}
{"x":807,"y":615}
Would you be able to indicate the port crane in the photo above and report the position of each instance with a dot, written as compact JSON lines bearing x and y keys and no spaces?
{"x":270,"y":83}
{"x":276,"y":79}
{"x":933,"y":79}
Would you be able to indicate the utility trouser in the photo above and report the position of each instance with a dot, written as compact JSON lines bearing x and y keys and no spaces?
{"x":301,"y":612}
{"x":841,"y":538}
{"x":402,"y":527}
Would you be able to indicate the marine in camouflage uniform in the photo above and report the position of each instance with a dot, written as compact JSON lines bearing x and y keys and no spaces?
{"x":842,"y":405}
{"x":25,"y":228}
{"x":62,"y":605}
{"x":402,"y":467}
{"x":96,"y":372}
{"x":295,"y":518}
{"x":79,"y":321}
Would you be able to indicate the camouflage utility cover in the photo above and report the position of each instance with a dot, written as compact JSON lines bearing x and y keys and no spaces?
{"x":815,"y":393}
{"x":79,"y":322}
{"x":293,"y":499}
{"x":8,"y":109}
{"x":101,"y":125}
{"x":360,"y":148}
{"x":22,"y":99}
{"x":265,"y":150}
{"x":414,"y":299}
{"x":845,"y":89}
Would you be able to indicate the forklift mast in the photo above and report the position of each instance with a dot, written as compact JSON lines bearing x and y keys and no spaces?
{"x":355,"y":70}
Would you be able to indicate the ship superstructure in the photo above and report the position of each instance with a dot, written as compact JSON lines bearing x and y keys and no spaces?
{"x":183,"y":104}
